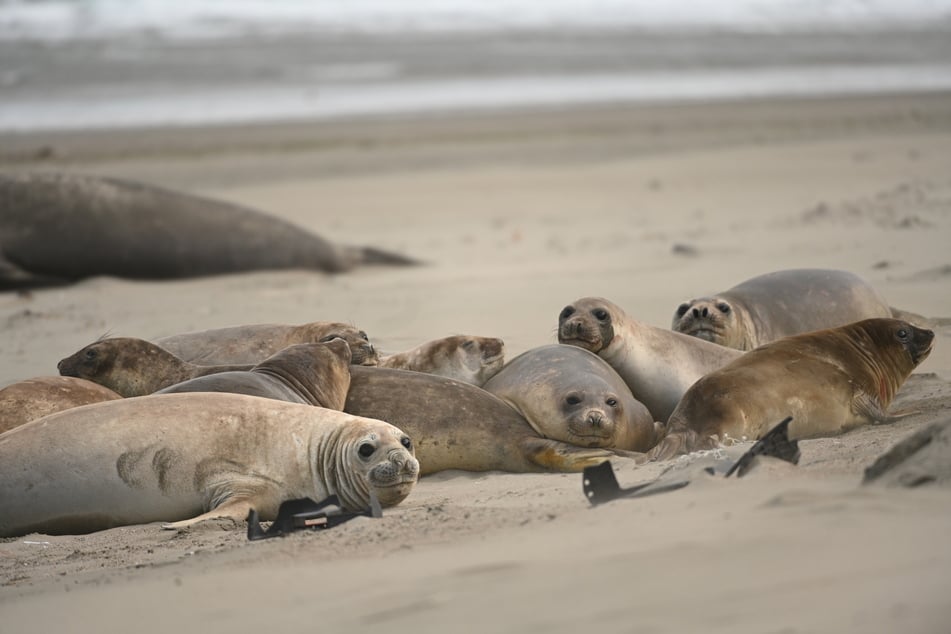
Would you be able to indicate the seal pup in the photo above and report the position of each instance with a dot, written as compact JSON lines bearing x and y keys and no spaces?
{"x":134,"y":367}
{"x":465,"y":358}
{"x":455,"y":425}
{"x":35,"y":398}
{"x":829,"y":381}
{"x":184,"y":458}
{"x":252,"y":343}
{"x":59,"y":228}
{"x":657,"y":364}
{"x":568,"y":393}
{"x":310,"y":373}
{"x":779,"y":304}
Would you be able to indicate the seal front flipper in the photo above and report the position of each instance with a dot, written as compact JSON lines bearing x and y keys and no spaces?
{"x":554,"y":455}
{"x":868,"y":407}
{"x":236,"y":510}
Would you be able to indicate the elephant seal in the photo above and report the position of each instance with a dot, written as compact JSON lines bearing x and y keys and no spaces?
{"x":184,"y":458}
{"x":829,"y":381}
{"x":59,"y":228}
{"x":37,"y":397}
{"x":658,"y":365}
{"x":310,"y":373}
{"x":134,"y":367}
{"x":253,"y":343}
{"x":570,"y":394}
{"x":779,"y":304}
{"x":464,"y":358}
{"x":455,"y":425}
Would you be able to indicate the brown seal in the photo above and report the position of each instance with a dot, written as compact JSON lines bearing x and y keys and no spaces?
{"x":134,"y":367}
{"x":311,"y":373}
{"x":657,"y":364}
{"x":570,"y":394}
{"x":455,"y":425}
{"x":462,"y":357}
{"x":829,"y":381}
{"x":779,"y":304}
{"x":58,"y":228}
{"x":184,"y":458}
{"x":37,"y":397}
{"x":253,"y":343}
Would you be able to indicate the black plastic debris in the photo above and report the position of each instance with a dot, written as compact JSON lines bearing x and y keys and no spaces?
{"x":774,"y":443}
{"x":306,"y":514}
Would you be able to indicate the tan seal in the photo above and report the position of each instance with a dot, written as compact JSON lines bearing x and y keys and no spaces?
{"x":252,"y":343}
{"x":570,"y":394}
{"x":657,"y":364}
{"x":37,"y":397}
{"x":455,"y":425}
{"x":183,"y":458}
{"x":829,"y":381}
{"x":310,"y":373}
{"x":779,"y":304}
{"x":465,"y":358}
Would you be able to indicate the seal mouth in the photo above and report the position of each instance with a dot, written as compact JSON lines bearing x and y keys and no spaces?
{"x":704,"y":332}
{"x":589,"y":439}
{"x":592,"y":344}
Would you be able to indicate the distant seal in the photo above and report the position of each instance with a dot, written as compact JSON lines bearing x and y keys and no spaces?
{"x":455,"y":425}
{"x":462,"y":357}
{"x":253,"y":343}
{"x":829,"y":381}
{"x":184,"y":458}
{"x":658,"y":365}
{"x":59,"y":228}
{"x":310,"y":373}
{"x":37,"y":397}
{"x":779,"y":304}
{"x":568,"y":393}
{"x":134,"y":367}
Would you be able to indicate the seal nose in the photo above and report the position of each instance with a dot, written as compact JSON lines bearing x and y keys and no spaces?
{"x":698,"y":313}
{"x":595,"y":419}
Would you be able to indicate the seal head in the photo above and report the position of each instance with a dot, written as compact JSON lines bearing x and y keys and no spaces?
{"x":709,"y":318}
{"x":586,"y":324}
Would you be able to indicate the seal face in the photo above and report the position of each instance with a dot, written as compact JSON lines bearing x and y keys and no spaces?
{"x":38,"y":397}
{"x":466,"y":358}
{"x":829,"y":381}
{"x":711,"y":319}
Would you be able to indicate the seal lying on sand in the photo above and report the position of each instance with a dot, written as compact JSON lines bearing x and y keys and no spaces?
{"x":254,"y":343}
{"x":35,"y":398}
{"x":829,"y":381}
{"x":779,"y":304}
{"x":310,"y":373}
{"x":184,"y":458}
{"x":58,"y":228}
{"x":134,"y":367}
{"x":464,"y":358}
{"x":658,"y":365}
{"x":567,"y":393}
{"x":455,"y":425}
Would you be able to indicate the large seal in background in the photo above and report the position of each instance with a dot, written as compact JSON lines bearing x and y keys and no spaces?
{"x":829,"y":381}
{"x":58,"y":228}
{"x":767,"y":307}
{"x":462,"y":357}
{"x":455,"y":425}
{"x":658,"y":365}
{"x":38,"y":397}
{"x":252,"y":343}
{"x":184,"y":458}
{"x":567,"y":393}
{"x":311,"y":373}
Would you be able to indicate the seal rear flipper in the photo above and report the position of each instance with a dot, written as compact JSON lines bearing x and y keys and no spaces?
{"x":236,"y":510}
{"x":352,"y":256}
{"x":554,"y":455}
{"x":868,"y":407}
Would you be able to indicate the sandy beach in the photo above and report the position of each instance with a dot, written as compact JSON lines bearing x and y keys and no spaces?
{"x":516,"y":214}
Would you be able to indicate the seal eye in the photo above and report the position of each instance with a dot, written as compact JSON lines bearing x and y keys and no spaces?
{"x":612,"y":402}
{"x":572,"y":400}
{"x":682,"y":310}
{"x":364,"y":335}
{"x":723,"y":307}
{"x":329,"y":338}
{"x":601,"y":314}
{"x":902,"y":334}
{"x":366,"y":450}
{"x":90,"y":354}
{"x":468,"y":343}
{"x":406,"y":442}
{"x":566,"y":312}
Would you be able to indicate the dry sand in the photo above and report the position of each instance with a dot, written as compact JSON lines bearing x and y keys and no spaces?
{"x":516,"y":215}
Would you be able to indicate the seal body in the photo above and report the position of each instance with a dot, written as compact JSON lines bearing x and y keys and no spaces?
{"x":462,"y":357}
{"x":829,"y":381}
{"x":658,"y":365}
{"x":253,"y":343}
{"x":568,"y":393}
{"x":455,"y":425}
{"x":779,"y":304}
{"x":37,"y":397}
{"x":311,"y":373}
{"x":183,"y":458}
{"x":58,"y":228}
